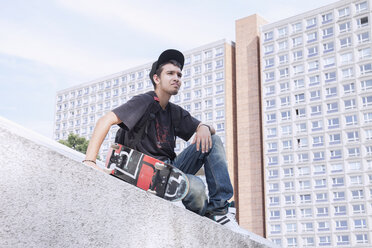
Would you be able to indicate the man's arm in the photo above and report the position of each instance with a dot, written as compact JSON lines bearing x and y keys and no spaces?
{"x":100,"y":131}
{"x":203,"y":138}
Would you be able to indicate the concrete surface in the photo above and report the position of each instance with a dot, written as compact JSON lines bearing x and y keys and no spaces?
{"x":49,"y":199}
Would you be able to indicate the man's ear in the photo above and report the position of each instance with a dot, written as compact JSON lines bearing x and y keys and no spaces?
{"x":156,"y":79}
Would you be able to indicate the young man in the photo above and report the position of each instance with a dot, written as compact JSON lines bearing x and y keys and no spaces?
{"x":159,"y":141}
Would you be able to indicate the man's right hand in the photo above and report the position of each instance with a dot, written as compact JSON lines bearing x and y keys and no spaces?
{"x":94,"y":165}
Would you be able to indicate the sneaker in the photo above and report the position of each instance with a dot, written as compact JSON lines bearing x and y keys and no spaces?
{"x":228,"y":220}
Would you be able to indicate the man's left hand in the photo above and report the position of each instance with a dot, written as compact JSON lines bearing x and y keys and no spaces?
{"x":203,"y":139}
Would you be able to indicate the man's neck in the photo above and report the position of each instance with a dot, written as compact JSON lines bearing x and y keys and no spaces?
{"x":163,"y":98}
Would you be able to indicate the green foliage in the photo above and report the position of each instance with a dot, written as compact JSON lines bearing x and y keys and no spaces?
{"x":75,"y":142}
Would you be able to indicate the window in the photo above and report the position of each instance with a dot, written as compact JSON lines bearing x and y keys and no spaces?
{"x":297,"y":27}
{"x":304,"y":184}
{"x":328,"y":47}
{"x":354,"y":166}
{"x":275,"y":229}
{"x":359,"y":7}
{"x":366,"y":84}
{"x":345,"y":42}
{"x":357,"y":194}
{"x":319,"y":169}
{"x":352,"y":136}
{"x":365,"y":69}
{"x":274,"y":214}
{"x":269,"y":62}
{"x":306,"y":212}
{"x":289,"y":185}
{"x":331,"y":92}
{"x":360,"y":223}
{"x":286,"y":115}
{"x":336,"y":154}
{"x":313,"y":65}
{"x":337,"y":181}
{"x":364,"y":53}
{"x":346,"y":58}
{"x":314,"y":80}
{"x":283,"y":59}
{"x":297,"y":41}
{"x":361,"y":238}
{"x":356,"y":180}
{"x":340,"y":210}
{"x":311,"y":37}
{"x":350,"y":104}
{"x":310,"y":23}
{"x":317,"y":125}
{"x":274,"y":200}
{"x":349,"y":88}
{"x":314,"y":95}
{"x":363,"y":37}
{"x":316,"y":110}
{"x":312,"y":51}
{"x":290,"y":213}
{"x":333,"y":123}
{"x":321,"y":197}
{"x":301,"y":127}
{"x":298,"y":69}
{"x":362,"y":22}
{"x":328,"y":62}
{"x":341,"y":224}
{"x":287,"y":144}
{"x":282,"y":32}
{"x":358,"y":209}
{"x":303,"y":157}
{"x":332,"y":107}
{"x":301,"y":112}
{"x":347,"y":73}
{"x":304,"y":171}
{"x":307,"y":227}
{"x":353,"y":152}
{"x":283,"y":72}
{"x":330,"y":76}
{"x":269,"y":49}
{"x":327,"y":32}
{"x":292,"y":242}
{"x":269,"y":76}
{"x":297,"y":55}
{"x":318,"y":141}
{"x":367,"y":101}
{"x":342,"y":239}
{"x":287,"y":159}
{"x":283,"y":45}
{"x":269,"y":35}
{"x":351,"y":120}
{"x":287,"y":130}
{"x":305,"y":198}
{"x":344,"y":27}
{"x":324,"y":240}
{"x":289,"y":199}
{"x":339,"y":196}
{"x":285,"y":86}
{"x":367,"y":117}
{"x":326,"y":18}
{"x":322,"y":211}
{"x":300,"y":97}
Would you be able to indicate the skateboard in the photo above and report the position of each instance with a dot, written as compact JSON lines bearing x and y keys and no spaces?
{"x":147,"y":173}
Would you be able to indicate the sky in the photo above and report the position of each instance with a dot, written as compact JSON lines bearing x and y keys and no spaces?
{"x":50,"y":45}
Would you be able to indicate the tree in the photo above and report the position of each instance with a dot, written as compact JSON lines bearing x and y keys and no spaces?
{"x":75,"y":142}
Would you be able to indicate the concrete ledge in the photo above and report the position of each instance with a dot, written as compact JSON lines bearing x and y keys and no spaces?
{"x":48,"y":199}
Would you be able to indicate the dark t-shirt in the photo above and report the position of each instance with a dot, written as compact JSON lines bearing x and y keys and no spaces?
{"x":160,"y":139}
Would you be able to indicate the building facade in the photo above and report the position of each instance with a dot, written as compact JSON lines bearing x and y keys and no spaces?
{"x":207,"y":76}
{"x":316,"y":71}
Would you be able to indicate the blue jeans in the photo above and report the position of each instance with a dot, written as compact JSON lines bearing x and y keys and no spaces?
{"x":219,"y":185}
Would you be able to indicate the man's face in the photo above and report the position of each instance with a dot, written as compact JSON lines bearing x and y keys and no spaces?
{"x":169,"y":80}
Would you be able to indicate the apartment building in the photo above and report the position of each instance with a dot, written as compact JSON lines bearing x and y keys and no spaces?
{"x":316,"y":98}
{"x":207,"y":76}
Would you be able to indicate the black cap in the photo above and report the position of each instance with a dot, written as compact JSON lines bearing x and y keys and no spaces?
{"x":167,"y":55}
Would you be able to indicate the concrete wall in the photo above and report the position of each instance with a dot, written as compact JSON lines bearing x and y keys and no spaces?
{"x":48,"y":199}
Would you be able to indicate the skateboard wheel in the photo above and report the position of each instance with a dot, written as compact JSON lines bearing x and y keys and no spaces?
{"x":159,"y":166}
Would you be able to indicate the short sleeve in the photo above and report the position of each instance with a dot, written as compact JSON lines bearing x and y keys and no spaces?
{"x":132,"y":111}
{"x":187,"y":126}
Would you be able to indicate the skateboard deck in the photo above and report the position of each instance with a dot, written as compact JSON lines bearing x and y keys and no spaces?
{"x":147,"y":173}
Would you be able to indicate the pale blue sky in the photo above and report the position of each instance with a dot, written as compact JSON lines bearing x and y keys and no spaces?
{"x":49,"y":45}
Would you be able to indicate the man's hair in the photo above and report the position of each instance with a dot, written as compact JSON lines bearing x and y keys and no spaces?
{"x":160,"y":69}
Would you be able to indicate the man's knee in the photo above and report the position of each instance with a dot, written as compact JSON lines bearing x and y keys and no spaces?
{"x":196,"y":199}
